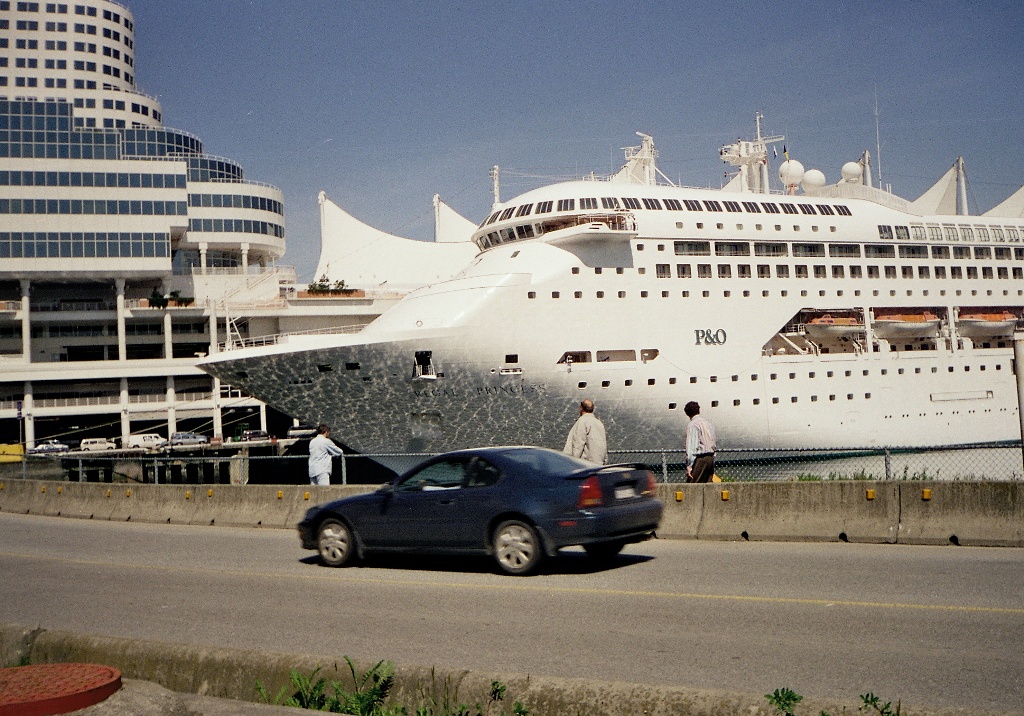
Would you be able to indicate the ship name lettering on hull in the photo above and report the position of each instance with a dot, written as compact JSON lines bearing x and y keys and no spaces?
{"x":709,"y":336}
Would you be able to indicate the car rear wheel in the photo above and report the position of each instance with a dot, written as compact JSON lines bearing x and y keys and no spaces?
{"x":517,"y":547}
{"x":335,"y":543}
{"x":604,"y":551}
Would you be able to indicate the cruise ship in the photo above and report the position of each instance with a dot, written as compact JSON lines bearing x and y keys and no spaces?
{"x":817,"y":316}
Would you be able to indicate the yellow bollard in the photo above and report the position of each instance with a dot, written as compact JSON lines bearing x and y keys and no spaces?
{"x":305,"y":495}
{"x":725,"y":494}
{"x":188,"y":494}
{"x":128,"y":493}
{"x":870,"y":494}
{"x":679,"y":495}
{"x":926,"y":493}
{"x":209,"y":493}
{"x":280,"y":494}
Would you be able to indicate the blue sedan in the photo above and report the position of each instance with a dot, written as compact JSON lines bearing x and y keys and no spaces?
{"x":518,"y":504}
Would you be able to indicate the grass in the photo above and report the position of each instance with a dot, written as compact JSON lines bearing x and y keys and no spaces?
{"x":371,"y":689}
{"x":785,"y":700}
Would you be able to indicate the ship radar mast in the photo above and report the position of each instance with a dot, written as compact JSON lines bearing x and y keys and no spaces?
{"x":752,"y":159}
{"x":640,"y":166}
{"x":496,"y":179}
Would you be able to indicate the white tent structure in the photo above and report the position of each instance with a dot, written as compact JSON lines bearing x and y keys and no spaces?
{"x":1010,"y":208}
{"x":367,"y":258}
{"x":942,"y":197}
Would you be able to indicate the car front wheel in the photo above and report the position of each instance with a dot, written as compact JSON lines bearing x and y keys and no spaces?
{"x":517,"y":547}
{"x":335,"y":543}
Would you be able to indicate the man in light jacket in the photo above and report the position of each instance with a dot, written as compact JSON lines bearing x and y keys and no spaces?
{"x":322,"y":450}
{"x":587,"y":438}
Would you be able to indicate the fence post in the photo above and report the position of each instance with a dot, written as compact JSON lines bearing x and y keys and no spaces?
{"x":1018,"y":371}
{"x":344,"y":470}
{"x":664,"y":466}
{"x":80,"y":479}
{"x":888,"y":465}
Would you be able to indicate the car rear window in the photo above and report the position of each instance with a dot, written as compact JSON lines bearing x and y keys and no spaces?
{"x":546,"y":461}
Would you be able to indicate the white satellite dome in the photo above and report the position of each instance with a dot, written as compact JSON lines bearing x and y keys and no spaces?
{"x":852,"y":172}
{"x":813,"y":179}
{"x":791,"y":172}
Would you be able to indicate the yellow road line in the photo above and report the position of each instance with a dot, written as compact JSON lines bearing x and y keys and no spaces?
{"x":335,"y":576}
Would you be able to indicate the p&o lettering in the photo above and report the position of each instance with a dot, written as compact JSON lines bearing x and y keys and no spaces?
{"x":709,"y":336}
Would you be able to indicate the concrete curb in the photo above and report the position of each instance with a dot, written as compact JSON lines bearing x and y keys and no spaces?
{"x":232,"y":674}
{"x":964,"y":513}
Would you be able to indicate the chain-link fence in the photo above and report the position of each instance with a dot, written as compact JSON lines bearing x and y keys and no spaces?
{"x":990,"y":462}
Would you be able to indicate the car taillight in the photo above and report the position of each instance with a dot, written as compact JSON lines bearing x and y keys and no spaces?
{"x":652,"y":486}
{"x":590,"y":493}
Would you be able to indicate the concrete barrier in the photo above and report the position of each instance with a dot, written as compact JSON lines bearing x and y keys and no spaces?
{"x":959,"y":513}
{"x":968,"y":513}
{"x":800,"y":511}
{"x":232,"y":673}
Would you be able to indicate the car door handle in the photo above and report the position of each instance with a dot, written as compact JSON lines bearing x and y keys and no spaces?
{"x":449,"y":501}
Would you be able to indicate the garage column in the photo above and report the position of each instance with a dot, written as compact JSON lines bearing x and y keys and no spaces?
{"x":26,"y":321}
{"x":172,"y":423}
{"x":126,"y":422}
{"x":27,"y":413}
{"x":122,"y":341}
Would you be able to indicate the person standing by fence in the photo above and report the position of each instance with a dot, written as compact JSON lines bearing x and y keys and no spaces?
{"x":587,"y":439}
{"x":322,"y":452}
{"x":701,"y":445}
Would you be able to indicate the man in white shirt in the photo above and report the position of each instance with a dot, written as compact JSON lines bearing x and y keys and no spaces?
{"x":322,"y":450}
{"x":587,"y":439}
{"x":701,"y":445}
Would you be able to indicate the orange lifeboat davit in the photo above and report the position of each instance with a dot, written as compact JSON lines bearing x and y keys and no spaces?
{"x":910,"y":324}
{"x":827,"y":325}
{"x":985,"y":323}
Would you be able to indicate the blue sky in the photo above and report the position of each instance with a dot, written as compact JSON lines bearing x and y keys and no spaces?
{"x":383,"y":104}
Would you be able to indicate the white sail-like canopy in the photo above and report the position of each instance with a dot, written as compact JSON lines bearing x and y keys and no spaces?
{"x":449,"y":225}
{"x":1011,"y":208}
{"x":367,"y":258}
{"x":941,"y":198}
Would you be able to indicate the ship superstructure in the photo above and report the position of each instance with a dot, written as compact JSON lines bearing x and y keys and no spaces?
{"x":824,"y":316}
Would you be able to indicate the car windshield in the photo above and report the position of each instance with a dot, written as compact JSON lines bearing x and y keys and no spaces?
{"x":546,"y":461}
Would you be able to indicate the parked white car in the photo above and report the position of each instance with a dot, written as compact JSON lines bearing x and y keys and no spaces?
{"x":97,"y":444}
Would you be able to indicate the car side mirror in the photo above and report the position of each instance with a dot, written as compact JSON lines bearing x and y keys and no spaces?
{"x":386,"y":489}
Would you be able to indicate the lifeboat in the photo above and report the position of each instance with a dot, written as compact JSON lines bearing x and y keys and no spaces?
{"x":973,"y":323}
{"x":829,"y":326}
{"x":916,"y":324}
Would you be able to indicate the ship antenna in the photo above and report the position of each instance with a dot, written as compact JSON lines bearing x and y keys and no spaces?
{"x":496,"y":178}
{"x":878,"y":142}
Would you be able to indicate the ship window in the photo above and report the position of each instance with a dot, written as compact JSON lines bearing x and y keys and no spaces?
{"x":600,"y":294}
{"x":752,"y":207}
{"x":782,"y":271}
{"x":732,"y":248}
{"x":507,"y":213}
{"x":1003,"y":272}
{"x":652,"y":204}
{"x":351,"y":366}
{"x":609,"y":202}
{"x":807,"y":209}
{"x":982,"y":252}
{"x":997,"y":234}
{"x":692,"y":204}
{"x":808,"y":249}
{"x":524,"y":210}
{"x":555,"y":294}
{"x":913,"y":251}
{"x":764,"y":271}
{"x":788,"y":208}
{"x":934,"y":233}
{"x":325,"y":368}
{"x":724,"y":271}
{"x":844,"y":211}
{"x":622,"y":294}
{"x":986,"y":272}
{"x":732,"y":206}
{"x":879,"y":251}
{"x":885,"y":232}
{"x":956,"y":272}
{"x":851,"y":251}
{"x":663,"y":271}
{"x":940,"y":252}
{"x":566,"y":204}
{"x":967,"y":233}
{"x":770,"y":207}
{"x":531,"y":294}
{"x":683,"y":271}
{"x":616,"y":356}
{"x":1002,"y":253}
{"x":890,"y":272}
{"x":922,"y":272}
{"x":630,"y":202}
{"x":543,"y":207}
{"x":825,"y":209}
{"x":692,"y":248}
{"x":940,"y":272}
{"x":712,"y":205}
{"x":819,"y":271}
{"x":743,"y":271}
{"x":801,"y":271}
{"x":961,"y":252}
{"x":951,"y":234}
{"x":571,"y":357}
{"x":918,"y":233}
{"x":902,"y":233}
{"x":1018,"y":272}
{"x":856,"y":272}
{"x":770,"y":248}
{"x":512,"y":358}
{"x":647,"y":354}
{"x":837,"y":272}
{"x":627,"y":383}
{"x":673,"y":204}
{"x":494,"y":217}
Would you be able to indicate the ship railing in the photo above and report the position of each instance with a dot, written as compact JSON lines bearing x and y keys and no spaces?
{"x":274,"y":339}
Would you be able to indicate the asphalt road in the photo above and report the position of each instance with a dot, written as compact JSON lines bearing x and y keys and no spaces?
{"x":931,"y":626}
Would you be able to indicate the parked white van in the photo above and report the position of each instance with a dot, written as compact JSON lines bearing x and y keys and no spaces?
{"x":97,"y":444}
{"x":145,"y":441}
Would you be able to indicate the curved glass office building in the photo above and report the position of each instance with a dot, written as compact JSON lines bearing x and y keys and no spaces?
{"x":125,"y":249}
